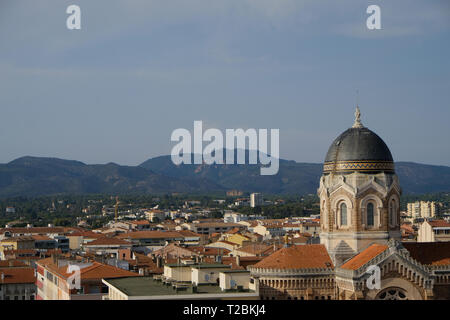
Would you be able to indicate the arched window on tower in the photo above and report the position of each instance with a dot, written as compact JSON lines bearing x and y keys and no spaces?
{"x":370,"y":214}
{"x":392,"y":210}
{"x":343,"y":214}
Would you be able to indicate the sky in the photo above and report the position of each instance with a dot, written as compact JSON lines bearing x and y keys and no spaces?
{"x":138,"y":69}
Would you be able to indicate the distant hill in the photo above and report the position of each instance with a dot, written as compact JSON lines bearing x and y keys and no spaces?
{"x":296,"y":177}
{"x":33,"y":176}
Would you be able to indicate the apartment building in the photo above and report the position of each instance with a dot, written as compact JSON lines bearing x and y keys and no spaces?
{"x":17,"y":281}
{"x":61,"y":278}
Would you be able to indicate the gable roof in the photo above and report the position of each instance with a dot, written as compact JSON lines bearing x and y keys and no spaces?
{"x":298,"y":257}
{"x":364,"y":256}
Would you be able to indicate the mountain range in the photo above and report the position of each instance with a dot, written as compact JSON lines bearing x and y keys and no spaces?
{"x":36,"y":176}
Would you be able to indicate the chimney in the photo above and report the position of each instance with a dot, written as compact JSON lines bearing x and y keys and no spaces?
{"x":238,"y":260}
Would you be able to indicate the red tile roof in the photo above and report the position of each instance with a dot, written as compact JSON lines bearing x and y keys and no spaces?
{"x":298,"y":257}
{"x":17,"y":275}
{"x":107,"y":241}
{"x":439,"y":224}
{"x":34,"y":230}
{"x":151,"y":235}
{"x":364,"y":256}
{"x":93,"y":270}
{"x":12,"y":264}
{"x":140,"y":222}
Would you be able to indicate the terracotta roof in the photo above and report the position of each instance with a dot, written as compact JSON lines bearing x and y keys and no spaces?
{"x":255,"y":248}
{"x":300,"y":239}
{"x":143,"y":261}
{"x":217,"y":225}
{"x":107,"y":241}
{"x":429,"y":253}
{"x":93,"y":270}
{"x":273,"y":226}
{"x":364,"y":256}
{"x":17,"y":275}
{"x":12,"y":264}
{"x":38,"y":237}
{"x":19,"y":238}
{"x":244,"y":262}
{"x":407,"y":228}
{"x":439,"y":224}
{"x":209,"y":250}
{"x":233,"y":231}
{"x":35,"y":230}
{"x":140,"y":222}
{"x":188,"y":233}
{"x":85,"y":234}
{"x":150,"y":235}
{"x":298,"y":257}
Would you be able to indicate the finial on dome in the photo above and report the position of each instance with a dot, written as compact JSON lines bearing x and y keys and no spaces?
{"x":357,"y":123}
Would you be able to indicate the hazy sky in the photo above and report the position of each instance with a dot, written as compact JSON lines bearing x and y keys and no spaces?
{"x":138,"y":69}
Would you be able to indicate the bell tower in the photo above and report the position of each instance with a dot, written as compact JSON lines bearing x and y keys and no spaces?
{"x":359,"y":193}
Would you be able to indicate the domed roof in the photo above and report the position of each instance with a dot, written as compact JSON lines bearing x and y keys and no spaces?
{"x":358,"y":149}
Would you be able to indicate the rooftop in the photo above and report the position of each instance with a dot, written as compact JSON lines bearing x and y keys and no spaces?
{"x":364,"y":256}
{"x":298,"y":257}
{"x":17,"y":275}
{"x":429,"y":253}
{"x":147,"y":286}
{"x":439,"y":224}
{"x":89,"y":270}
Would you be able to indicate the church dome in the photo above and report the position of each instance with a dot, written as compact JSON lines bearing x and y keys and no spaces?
{"x":358,"y":149}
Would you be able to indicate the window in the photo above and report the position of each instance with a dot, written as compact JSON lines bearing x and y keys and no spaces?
{"x":392,"y":209}
{"x":370,"y":214}
{"x":49,"y":276}
{"x":343,"y":214}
